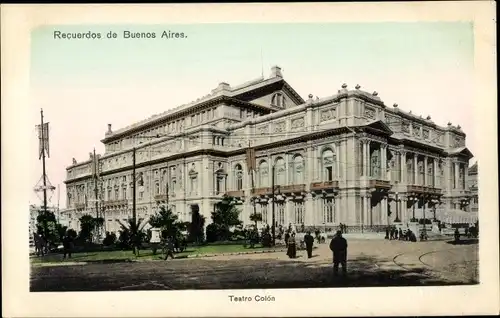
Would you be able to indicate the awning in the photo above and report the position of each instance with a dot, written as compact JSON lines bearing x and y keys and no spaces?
{"x":456,"y":216}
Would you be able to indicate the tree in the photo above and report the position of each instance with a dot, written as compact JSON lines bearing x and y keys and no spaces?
{"x":110,"y":239}
{"x":167,"y":222}
{"x":225,"y":216}
{"x":195,"y":228}
{"x":88,"y":227}
{"x":47,"y":226}
{"x":256,"y":217}
{"x":132,"y":233}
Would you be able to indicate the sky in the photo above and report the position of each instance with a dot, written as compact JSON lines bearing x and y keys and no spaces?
{"x":85,"y":84}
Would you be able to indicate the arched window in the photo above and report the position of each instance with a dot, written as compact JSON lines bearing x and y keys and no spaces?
{"x":298,"y":170}
{"x":263,"y":174}
{"x":278,"y":100}
{"x":280,"y":171}
{"x":239,"y":177}
{"x":157,"y":188}
{"x":328,"y":162}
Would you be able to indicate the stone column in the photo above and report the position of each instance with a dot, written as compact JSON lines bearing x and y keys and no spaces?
{"x":367,"y":216}
{"x":308,"y":209}
{"x":317,"y":164}
{"x":363,"y":161}
{"x":415,"y":168}
{"x":426,"y":177}
{"x":457,"y":167}
{"x":287,"y":170}
{"x":289,"y":213}
{"x":337,"y":161}
{"x":309,"y":172}
{"x":402,"y":166}
{"x":383,"y":161}
{"x":434,"y":172}
{"x":367,"y":158}
{"x":383,"y":208}
{"x":403,"y":211}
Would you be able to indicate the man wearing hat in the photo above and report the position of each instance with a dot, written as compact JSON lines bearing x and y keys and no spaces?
{"x":338,"y":245}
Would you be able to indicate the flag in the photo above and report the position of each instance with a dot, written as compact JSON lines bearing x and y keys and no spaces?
{"x":43,"y":138}
{"x":250,"y":158}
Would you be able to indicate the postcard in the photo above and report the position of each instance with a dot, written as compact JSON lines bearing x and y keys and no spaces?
{"x":250,"y":159}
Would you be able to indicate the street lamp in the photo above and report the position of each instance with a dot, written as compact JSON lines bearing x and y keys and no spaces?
{"x":425,"y":220}
{"x":414,"y":199}
{"x":434,"y":201}
{"x":397,"y":208}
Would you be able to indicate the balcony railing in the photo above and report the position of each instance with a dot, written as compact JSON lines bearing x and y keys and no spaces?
{"x":380,"y":184}
{"x":262,"y":191}
{"x":80,"y":206}
{"x":423,"y":189}
{"x":292,"y":188}
{"x":236,"y":193}
{"x":116,"y":202}
{"x":324,"y":185}
{"x":160,"y":197}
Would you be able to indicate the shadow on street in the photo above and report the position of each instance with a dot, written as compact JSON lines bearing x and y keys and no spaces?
{"x":227,"y":274}
{"x":464,"y":242}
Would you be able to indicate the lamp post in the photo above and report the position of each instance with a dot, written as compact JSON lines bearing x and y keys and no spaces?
{"x":414,"y":199}
{"x":434,"y":201}
{"x":397,"y":208}
{"x":425,"y":221}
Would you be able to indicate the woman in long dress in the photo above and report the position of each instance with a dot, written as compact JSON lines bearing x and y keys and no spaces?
{"x":292,"y":247}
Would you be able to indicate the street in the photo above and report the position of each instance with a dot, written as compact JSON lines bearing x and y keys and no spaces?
{"x":370,"y":263}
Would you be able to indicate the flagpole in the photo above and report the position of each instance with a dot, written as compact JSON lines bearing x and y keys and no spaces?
{"x":43,"y":163}
{"x":252,"y":168}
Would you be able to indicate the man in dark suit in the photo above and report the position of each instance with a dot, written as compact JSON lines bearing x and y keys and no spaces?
{"x":309,"y":241}
{"x":338,"y":246}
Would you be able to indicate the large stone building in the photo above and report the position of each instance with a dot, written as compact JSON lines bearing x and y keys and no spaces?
{"x":474,"y":201}
{"x":346,"y":158}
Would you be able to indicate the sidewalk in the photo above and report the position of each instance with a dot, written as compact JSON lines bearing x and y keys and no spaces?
{"x":364,"y":236}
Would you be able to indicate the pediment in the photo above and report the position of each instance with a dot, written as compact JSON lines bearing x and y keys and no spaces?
{"x":379,"y":126}
{"x":264,"y":94}
{"x":462,"y":151}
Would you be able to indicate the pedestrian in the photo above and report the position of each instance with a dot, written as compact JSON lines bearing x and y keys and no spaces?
{"x":387,"y":233}
{"x":317,"y":233}
{"x":457,"y":235}
{"x":67,"y":245}
{"x":338,"y":246}
{"x":287,"y":237}
{"x":401,"y":234}
{"x":292,"y":247}
{"x":169,"y":248}
{"x":309,"y":240}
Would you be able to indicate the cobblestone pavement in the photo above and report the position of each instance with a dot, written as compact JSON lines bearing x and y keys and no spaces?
{"x":370,"y":263}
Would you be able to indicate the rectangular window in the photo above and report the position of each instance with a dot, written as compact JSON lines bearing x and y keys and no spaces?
{"x":328,"y":211}
{"x":299,"y":212}
{"x":281,"y":213}
{"x":329,"y":173}
{"x":263,"y":211}
{"x":124,"y":192}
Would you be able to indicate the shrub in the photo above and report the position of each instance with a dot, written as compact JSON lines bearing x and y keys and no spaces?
{"x":110,"y":239}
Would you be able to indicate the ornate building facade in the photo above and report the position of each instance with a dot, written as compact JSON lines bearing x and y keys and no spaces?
{"x":346,"y":158}
{"x":474,"y":202}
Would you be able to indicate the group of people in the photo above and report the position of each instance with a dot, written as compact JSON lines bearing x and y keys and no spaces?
{"x":393,"y":233}
{"x":338,"y":246}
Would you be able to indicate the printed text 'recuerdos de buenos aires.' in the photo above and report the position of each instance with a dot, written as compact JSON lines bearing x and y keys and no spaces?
{"x":90,"y":35}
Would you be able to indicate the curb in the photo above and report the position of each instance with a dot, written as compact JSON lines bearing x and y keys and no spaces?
{"x":235,"y":253}
{"x":279,"y":250}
